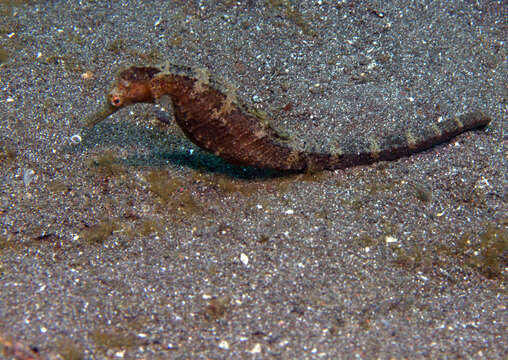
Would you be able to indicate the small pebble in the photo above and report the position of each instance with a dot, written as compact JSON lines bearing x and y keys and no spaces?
{"x":244,"y":259}
{"x":162,"y":115}
{"x":28,"y":176}
{"x":390,"y":239}
{"x":256,"y":349}
{"x":224,"y":345}
{"x":87,"y":75}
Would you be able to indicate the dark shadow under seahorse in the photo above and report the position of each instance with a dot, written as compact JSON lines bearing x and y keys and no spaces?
{"x":213,"y":119}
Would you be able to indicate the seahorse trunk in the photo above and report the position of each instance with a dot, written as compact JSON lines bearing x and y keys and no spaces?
{"x":218,"y":124}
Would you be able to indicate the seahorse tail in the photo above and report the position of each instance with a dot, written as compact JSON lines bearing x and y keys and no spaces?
{"x":386,"y":148}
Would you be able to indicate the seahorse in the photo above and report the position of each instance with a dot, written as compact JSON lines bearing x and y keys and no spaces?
{"x":214,"y":119}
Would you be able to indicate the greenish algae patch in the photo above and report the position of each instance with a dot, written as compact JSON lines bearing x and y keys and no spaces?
{"x":122,"y":46}
{"x":4,"y":244}
{"x":106,"y":339}
{"x":117,"y":46}
{"x":422,"y":193}
{"x":106,"y":165}
{"x":6,"y":11}
{"x":413,"y":258}
{"x":7,"y":153}
{"x":142,"y":228}
{"x":226,"y":184}
{"x":486,"y":253}
{"x":312,"y":177}
{"x":70,"y":63}
{"x":172,"y":193}
{"x":377,"y":187}
{"x":58,"y":186}
{"x":11,"y":243}
{"x":35,"y":237}
{"x":69,"y":350}
{"x":292,"y":14}
{"x":148,"y":227}
{"x":489,"y":253}
{"x":163,"y":185}
{"x":4,"y":56}
{"x":14,"y":2}
{"x":217,"y":307}
{"x":97,"y":234}
{"x":366,"y":240}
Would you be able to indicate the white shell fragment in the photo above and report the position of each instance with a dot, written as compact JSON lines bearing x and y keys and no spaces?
{"x":244,"y":259}
{"x":76,"y":139}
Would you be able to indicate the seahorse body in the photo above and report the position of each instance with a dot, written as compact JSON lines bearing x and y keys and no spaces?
{"x":217,"y":122}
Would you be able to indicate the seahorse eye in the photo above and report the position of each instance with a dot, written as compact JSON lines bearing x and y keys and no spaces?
{"x":116,"y":101}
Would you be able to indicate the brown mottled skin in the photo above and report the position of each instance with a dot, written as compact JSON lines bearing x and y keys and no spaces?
{"x":218,"y":123}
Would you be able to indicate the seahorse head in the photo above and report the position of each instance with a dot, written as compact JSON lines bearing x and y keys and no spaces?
{"x":132,"y":86}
